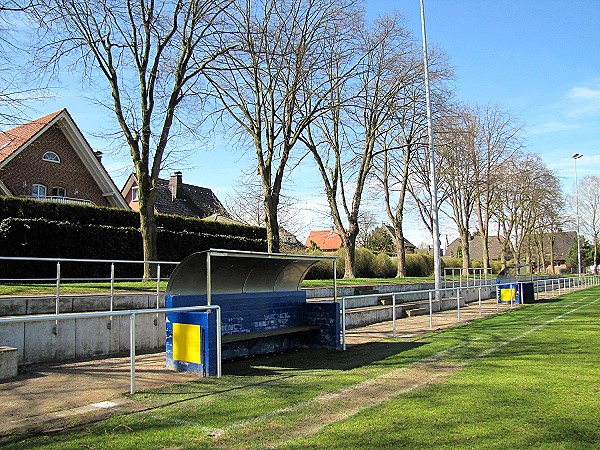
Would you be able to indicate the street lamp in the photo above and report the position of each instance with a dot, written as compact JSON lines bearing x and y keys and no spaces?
{"x":576,"y":156}
{"x":437,"y":260}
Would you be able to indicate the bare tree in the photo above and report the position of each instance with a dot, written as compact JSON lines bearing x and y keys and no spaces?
{"x":15,"y":91}
{"x":527,"y":185}
{"x":406,"y":136}
{"x":152,"y":55}
{"x":497,"y":137}
{"x":458,"y":145}
{"x":343,"y":141}
{"x":589,"y":210}
{"x":247,"y":205}
{"x":271,"y":86}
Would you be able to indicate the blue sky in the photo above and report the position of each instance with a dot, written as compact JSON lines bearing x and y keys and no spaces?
{"x":540,"y":59}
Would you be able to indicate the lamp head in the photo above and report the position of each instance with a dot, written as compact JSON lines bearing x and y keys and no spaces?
{"x":577,"y":155}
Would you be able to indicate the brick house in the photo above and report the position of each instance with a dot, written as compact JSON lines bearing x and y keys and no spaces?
{"x":50,"y":159}
{"x":176,"y":197}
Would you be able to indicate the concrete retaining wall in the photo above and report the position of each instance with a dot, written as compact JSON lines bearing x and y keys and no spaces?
{"x":80,"y":338}
{"x":362,"y":316}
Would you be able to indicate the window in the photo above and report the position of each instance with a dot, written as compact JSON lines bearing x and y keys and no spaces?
{"x":51,"y":156}
{"x":59,"y":192}
{"x":134,"y":194}
{"x":38,"y":191}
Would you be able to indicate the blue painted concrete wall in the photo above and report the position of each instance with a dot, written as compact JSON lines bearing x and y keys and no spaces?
{"x":249,"y":312}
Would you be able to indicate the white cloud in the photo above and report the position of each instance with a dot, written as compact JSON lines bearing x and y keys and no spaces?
{"x":583,"y":93}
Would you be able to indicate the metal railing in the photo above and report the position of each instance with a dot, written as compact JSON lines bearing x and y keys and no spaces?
{"x":466,"y":277}
{"x":132,"y":314}
{"x":562,"y":285}
{"x":59,"y":199}
{"x":59,"y":280}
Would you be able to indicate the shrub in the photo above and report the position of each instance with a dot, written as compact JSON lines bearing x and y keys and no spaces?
{"x":419,"y":265}
{"x":363,"y":263}
{"x":496,"y":265}
{"x":384,"y":267}
{"x":448,"y":261}
{"x":24,"y":208}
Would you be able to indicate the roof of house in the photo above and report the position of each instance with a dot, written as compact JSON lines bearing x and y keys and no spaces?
{"x":563,"y":240}
{"x":17,"y":139}
{"x":193,"y":201}
{"x":327,"y":240}
{"x":476,"y":247}
{"x":390,"y":230}
{"x":13,"y":139}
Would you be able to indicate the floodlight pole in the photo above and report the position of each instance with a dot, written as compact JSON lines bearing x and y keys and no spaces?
{"x":576,"y":156}
{"x":437,"y":263}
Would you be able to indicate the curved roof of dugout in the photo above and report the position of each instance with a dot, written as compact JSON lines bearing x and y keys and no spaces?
{"x":232,"y":271}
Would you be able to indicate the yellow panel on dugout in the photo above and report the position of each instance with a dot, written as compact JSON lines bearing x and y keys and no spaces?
{"x":508,"y":294}
{"x":187,"y":343}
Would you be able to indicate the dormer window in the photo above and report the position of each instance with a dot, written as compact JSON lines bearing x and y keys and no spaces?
{"x":134,"y":194}
{"x":51,"y":156}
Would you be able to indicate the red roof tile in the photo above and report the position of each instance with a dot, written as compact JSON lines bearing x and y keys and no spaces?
{"x":327,"y":240}
{"x":11,"y":140}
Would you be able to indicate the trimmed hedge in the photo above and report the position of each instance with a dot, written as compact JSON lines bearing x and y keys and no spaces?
{"x":42,"y":238}
{"x":24,"y":208}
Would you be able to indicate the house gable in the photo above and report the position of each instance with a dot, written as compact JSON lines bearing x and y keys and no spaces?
{"x":52,"y":152}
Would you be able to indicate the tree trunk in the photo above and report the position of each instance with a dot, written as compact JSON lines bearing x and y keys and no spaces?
{"x":400,"y":253}
{"x":350,"y":249}
{"x":486,"y":250}
{"x":594,"y":268}
{"x":271,"y":223}
{"x":149,"y":241}
{"x":466,"y":256}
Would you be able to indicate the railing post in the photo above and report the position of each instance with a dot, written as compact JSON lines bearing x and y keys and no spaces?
{"x":132,"y":353}
{"x":57,"y":301}
{"x":479,"y":294}
{"x":394,"y":315}
{"x":430,"y":310}
{"x":157,"y":285}
{"x":219,"y":362}
{"x":458,"y":305}
{"x":157,"y":292}
{"x":112,"y":285}
{"x":344,"y":323}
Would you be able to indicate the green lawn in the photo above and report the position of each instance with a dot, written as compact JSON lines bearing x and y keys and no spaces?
{"x":528,"y":378}
{"x":79,"y":288}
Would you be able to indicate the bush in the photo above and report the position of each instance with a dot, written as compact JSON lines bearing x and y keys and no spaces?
{"x":384,"y":267}
{"x":419,"y":265}
{"x":363,"y":263}
{"x":323,"y":270}
{"x":496,"y":265}
{"x":448,"y":261}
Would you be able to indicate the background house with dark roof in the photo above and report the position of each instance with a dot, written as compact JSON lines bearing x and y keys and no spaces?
{"x":454,"y":249}
{"x":409,"y":247}
{"x":50,"y":159}
{"x":176,"y":197}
